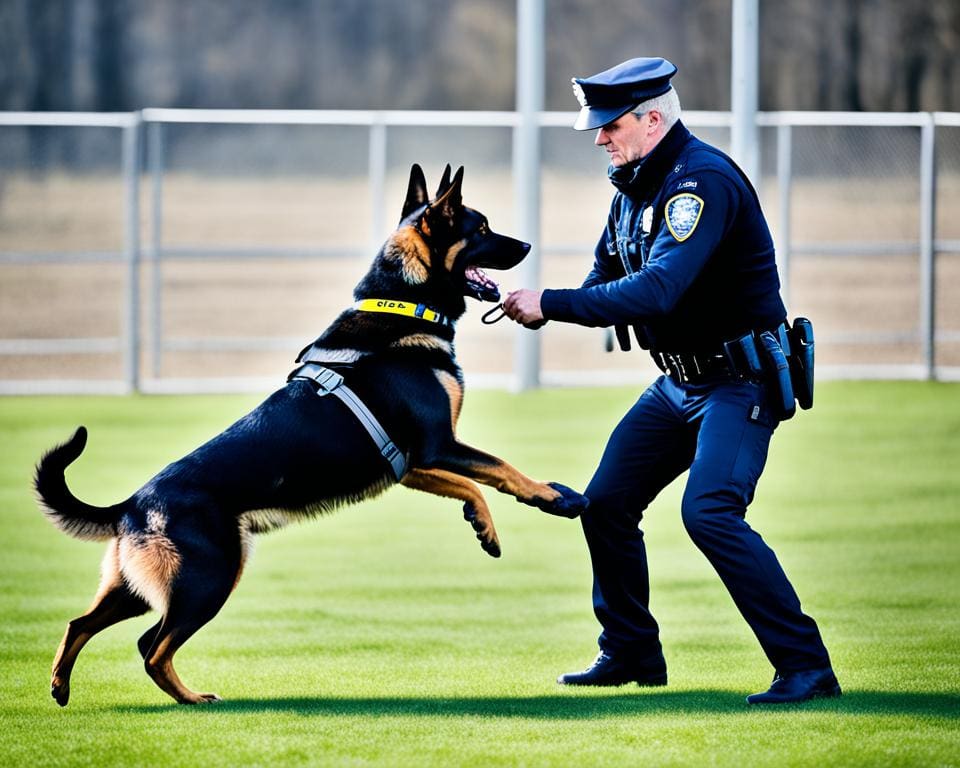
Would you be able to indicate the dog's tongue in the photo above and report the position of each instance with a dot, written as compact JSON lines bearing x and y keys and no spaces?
{"x":482,"y":286}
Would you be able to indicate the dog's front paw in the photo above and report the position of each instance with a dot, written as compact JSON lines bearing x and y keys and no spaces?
{"x":481,"y":522}
{"x":568,"y":503}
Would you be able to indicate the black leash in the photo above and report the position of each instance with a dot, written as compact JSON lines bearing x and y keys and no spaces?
{"x":489,"y":312}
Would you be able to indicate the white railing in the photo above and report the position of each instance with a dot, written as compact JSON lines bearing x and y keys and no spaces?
{"x":148,"y":126}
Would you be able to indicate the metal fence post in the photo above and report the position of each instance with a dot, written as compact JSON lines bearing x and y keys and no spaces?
{"x":928,"y":182}
{"x":743,"y":86}
{"x":526,"y":174}
{"x":155,"y":149}
{"x":131,"y":250}
{"x":784,"y":188}
{"x":377,"y":162}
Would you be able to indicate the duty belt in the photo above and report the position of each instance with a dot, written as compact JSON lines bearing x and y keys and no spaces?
{"x":738,"y":358}
{"x":331,"y":383}
{"x":690,"y":367}
{"x":782,"y":358}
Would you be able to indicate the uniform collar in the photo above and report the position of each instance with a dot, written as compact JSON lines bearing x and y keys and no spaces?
{"x":645,"y":176}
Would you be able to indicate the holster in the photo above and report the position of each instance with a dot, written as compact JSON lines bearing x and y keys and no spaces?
{"x":801,"y":361}
{"x":742,"y":356}
{"x":761,"y":356}
{"x":778,"y":376}
{"x":782,"y":358}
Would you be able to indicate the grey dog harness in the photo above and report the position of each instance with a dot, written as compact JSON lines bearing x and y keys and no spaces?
{"x":331,"y":383}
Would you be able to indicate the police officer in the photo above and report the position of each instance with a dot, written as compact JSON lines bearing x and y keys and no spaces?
{"x":687,"y":260}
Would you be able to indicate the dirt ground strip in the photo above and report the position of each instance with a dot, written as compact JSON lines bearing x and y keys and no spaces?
{"x":286,"y":302}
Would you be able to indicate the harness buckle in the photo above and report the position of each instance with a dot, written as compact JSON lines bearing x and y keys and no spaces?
{"x":327,"y":380}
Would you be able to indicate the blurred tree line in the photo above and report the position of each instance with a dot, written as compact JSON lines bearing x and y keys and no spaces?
{"x":460,"y":54}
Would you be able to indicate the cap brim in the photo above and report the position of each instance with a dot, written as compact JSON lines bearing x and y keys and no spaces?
{"x":595,"y":117}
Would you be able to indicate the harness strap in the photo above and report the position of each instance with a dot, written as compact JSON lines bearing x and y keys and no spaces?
{"x":331,"y":383}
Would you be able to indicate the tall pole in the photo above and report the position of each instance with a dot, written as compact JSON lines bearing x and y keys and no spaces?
{"x":131,"y":250}
{"x":745,"y":59}
{"x":784,"y":185}
{"x":155,"y":153}
{"x":526,"y":173}
{"x":377,"y":172}
{"x":928,"y":218}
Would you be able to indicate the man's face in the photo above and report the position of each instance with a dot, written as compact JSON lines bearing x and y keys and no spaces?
{"x":626,"y":139}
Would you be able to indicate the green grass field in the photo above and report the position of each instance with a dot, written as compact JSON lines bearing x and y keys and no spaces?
{"x":383,"y":635}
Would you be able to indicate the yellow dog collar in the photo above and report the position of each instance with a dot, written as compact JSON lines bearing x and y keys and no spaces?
{"x":406,"y":308}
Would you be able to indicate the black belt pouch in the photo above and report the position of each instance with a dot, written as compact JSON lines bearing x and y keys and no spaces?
{"x":778,"y":376}
{"x":801,"y":361}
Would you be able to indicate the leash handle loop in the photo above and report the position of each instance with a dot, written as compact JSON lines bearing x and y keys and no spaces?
{"x":486,"y":315}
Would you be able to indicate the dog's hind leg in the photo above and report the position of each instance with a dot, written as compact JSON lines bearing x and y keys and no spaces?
{"x":475,"y":510}
{"x":198,"y":593}
{"x":114,"y":603}
{"x":146,"y":639}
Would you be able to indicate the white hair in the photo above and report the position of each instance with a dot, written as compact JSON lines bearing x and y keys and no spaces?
{"x":667,"y":104}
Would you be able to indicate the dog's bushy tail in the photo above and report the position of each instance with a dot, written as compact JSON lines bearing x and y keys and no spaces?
{"x":61,"y":507}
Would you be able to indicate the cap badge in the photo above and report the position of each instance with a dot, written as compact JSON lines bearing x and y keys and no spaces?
{"x":578,"y":92}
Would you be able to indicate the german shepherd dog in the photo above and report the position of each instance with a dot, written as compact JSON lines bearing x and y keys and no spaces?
{"x":178,"y":544}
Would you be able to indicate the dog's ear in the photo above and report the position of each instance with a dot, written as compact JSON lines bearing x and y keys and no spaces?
{"x":416,"y":192}
{"x":444,"y":182}
{"x":448,"y":204}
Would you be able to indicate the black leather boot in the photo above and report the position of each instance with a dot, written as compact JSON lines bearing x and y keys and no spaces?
{"x":799,"y":686}
{"x":608,"y":670}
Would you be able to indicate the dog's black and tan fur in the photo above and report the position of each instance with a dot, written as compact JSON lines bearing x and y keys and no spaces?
{"x":178,"y":545}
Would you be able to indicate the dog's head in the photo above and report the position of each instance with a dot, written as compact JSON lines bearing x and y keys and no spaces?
{"x":438,"y":252}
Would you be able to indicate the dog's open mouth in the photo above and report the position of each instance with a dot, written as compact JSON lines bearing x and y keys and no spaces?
{"x":479,"y":286}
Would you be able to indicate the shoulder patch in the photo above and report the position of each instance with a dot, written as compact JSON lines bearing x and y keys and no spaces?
{"x":682,"y":214}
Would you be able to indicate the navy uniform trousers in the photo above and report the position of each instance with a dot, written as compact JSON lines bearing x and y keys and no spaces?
{"x":720,"y":431}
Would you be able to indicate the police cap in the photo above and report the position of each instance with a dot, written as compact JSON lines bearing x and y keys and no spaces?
{"x":614,"y":92}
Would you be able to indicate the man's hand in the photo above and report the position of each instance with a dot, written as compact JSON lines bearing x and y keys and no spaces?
{"x":523,"y":306}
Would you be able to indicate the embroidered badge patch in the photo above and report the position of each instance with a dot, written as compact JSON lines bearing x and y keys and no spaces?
{"x":682,"y":213}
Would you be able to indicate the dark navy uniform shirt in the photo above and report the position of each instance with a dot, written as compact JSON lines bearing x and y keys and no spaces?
{"x":686,"y":256}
